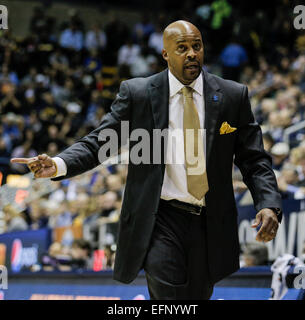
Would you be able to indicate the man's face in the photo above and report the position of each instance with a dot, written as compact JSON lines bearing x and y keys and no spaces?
{"x":184,"y":54}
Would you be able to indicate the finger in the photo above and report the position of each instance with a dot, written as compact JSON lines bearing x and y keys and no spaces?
{"x":269,"y":224}
{"x":263,"y":237}
{"x":268,"y":238}
{"x":20,"y":160}
{"x":43,"y":157}
{"x":34,"y":163}
{"x":34,"y":166}
{"x":38,"y":173}
{"x":272,"y":233}
{"x":272,"y":227}
{"x":36,"y":169}
{"x":44,"y":173}
{"x":261,"y":231}
{"x":259,"y":238}
{"x":257,"y":221}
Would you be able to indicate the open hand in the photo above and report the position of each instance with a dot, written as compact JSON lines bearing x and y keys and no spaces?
{"x":42,"y":166}
{"x":269,"y":225}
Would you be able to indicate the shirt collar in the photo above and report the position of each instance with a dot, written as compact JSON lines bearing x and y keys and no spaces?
{"x":175,"y":85}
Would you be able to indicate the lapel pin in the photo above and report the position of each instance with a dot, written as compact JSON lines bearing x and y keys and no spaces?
{"x":215,"y":98}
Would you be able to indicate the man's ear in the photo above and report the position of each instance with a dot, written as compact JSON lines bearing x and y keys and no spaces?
{"x":164,"y":55}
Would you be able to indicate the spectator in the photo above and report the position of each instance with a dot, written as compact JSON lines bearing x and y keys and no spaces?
{"x":71,"y":38}
{"x":30,"y":102}
{"x":233,"y":58}
{"x":4,"y":158}
{"x":59,"y":60}
{"x":10,"y":103}
{"x":38,"y":215}
{"x":289,"y":183}
{"x":96,"y":38}
{"x":52,"y":136}
{"x":254,"y":254}
{"x":128,"y":53}
{"x":81,"y":254}
{"x":279,"y":152}
{"x":297,"y":158}
{"x":50,"y":261}
{"x":14,"y":220}
{"x":65,"y":218}
{"x":7,"y":76}
{"x":93,"y":63}
{"x":95,"y":110}
{"x":156,"y":40}
{"x":144,"y":65}
{"x":114,"y":182}
{"x":107,"y":203}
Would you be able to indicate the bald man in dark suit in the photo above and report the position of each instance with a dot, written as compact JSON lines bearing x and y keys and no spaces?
{"x":181,"y":227}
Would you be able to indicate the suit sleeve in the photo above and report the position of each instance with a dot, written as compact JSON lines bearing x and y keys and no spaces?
{"x":253,"y":161}
{"x":84,"y":154}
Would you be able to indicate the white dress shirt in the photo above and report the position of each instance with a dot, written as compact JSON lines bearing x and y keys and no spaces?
{"x":174,"y":183}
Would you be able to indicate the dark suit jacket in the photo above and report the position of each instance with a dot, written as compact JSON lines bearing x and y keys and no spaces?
{"x":144,"y":103}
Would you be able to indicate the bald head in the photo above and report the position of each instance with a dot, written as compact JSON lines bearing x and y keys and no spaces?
{"x":178,"y":28}
{"x":183,"y":50}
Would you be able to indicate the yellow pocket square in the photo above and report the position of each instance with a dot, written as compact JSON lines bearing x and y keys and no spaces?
{"x":226,"y":128}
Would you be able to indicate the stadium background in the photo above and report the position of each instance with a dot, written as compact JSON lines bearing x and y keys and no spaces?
{"x":61,"y":63}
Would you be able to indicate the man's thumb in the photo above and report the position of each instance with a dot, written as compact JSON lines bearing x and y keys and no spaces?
{"x":257,"y":221}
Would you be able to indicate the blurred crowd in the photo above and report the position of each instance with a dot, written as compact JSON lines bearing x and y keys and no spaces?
{"x":58,"y":82}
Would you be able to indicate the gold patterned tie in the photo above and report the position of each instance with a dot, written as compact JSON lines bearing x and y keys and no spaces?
{"x":197,"y":181}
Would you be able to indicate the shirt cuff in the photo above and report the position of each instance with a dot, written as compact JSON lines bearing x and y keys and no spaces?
{"x":61,"y":167}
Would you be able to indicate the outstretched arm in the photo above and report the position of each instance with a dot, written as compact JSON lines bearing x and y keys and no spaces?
{"x":83,"y":155}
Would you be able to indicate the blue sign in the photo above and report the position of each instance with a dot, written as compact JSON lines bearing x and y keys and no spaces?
{"x":24,"y":249}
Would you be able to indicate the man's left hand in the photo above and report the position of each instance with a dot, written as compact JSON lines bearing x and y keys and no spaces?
{"x":269,"y":225}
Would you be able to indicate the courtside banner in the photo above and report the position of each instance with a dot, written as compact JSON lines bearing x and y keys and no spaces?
{"x":22,"y":250}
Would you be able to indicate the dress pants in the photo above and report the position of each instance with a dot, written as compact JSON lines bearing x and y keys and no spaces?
{"x":176,"y":263}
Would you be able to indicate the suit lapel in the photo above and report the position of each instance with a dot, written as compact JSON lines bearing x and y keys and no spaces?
{"x":213,"y":99}
{"x":159,"y":98}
